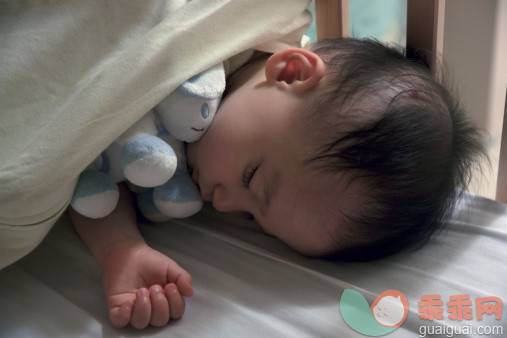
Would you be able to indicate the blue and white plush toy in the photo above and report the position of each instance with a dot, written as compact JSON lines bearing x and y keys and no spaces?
{"x":151,"y":155}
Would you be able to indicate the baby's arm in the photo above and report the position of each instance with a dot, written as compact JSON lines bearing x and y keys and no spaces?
{"x":142,"y":286}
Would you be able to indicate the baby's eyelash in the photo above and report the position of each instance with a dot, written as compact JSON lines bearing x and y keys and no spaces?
{"x":247,"y":177}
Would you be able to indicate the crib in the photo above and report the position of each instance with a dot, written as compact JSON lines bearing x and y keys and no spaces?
{"x":246,"y":284}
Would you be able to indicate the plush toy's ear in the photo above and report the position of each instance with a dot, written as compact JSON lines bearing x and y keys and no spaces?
{"x":296,"y":67}
{"x":207,"y":85}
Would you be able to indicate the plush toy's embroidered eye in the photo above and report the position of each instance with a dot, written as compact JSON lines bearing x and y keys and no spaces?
{"x":205,"y":111}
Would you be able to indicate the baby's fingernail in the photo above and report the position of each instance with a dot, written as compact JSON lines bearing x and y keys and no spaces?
{"x":128,"y":306}
{"x":143,"y":292}
{"x":171,"y":288}
{"x":156,"y":288}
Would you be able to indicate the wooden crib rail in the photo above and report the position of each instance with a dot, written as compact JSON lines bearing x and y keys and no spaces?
{"x":501,"y":187}
{"x":425,"y":25}
{"x":425,"y":30}
{"x":332,"y":19}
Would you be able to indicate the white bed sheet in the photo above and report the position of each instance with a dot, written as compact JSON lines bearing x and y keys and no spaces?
{"x":248,"y":284}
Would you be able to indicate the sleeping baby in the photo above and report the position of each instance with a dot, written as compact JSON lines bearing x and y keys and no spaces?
{"x":346,"y":150}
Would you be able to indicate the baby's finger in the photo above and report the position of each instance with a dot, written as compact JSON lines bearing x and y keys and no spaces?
{"x":120,"y":315}
{"x":186,"y":289}
{"x":159,"y":306}
{"x":141,"y":312}
{"x":184,"y":284}
{"x":176,"y":301}
{"x":182,"y":279}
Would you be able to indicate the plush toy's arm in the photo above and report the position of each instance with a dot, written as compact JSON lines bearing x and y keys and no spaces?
{"x":145,"y":159}
{"x":178,"y":197}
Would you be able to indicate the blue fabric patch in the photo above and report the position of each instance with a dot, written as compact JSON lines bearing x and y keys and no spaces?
{"x":145,"y":203}
{"x":179,"y":189}
{"x":194,"y":78}
{"x":93,"y":182}
{"x":141,"y":147}
{"x":106,"y":163}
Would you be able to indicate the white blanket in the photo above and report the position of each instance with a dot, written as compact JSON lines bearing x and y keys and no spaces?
{"x":75,"y":74}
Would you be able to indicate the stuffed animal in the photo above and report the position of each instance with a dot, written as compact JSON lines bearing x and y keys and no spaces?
{"x":150,"y":155}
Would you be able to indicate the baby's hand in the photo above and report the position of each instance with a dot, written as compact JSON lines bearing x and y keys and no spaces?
{"x":144,"y":287}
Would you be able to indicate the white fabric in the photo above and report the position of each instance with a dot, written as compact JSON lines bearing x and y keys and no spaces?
{"x":75,"y":74}
{"x":250,"y":285}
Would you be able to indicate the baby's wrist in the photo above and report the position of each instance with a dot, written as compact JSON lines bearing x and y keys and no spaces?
{"x":121,"y":248}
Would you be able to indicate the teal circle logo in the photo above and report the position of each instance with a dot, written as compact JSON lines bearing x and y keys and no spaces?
{"x":386,"y":314}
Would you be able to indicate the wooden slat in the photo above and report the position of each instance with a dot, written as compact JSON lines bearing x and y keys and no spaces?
{"x":425,"y":30}
{"x":501,"y":187}
{"x":332,"y":19}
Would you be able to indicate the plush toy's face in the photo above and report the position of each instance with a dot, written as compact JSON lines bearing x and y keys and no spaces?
{"x":193,"y":116}
{"x":188,"y":111}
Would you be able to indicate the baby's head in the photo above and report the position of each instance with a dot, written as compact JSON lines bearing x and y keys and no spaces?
{"x":348,"y":149}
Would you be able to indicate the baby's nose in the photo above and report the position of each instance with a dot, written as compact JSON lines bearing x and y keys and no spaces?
{"x":219,"y":198}
{"x":225,"y":200}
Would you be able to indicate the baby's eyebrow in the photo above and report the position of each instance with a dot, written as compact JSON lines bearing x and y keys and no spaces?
{"x":270,"y":188}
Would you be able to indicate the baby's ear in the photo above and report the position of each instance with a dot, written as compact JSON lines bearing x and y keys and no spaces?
{"x":298,"y":68}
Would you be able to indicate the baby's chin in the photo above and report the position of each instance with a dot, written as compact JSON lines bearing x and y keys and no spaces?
{"x":308,"y":251}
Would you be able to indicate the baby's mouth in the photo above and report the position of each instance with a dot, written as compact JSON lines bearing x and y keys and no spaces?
{"x":195,"y":177}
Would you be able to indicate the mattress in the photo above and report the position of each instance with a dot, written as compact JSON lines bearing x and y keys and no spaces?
{"x":248,"y":284}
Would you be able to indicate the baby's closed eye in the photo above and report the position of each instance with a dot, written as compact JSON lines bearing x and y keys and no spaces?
{"x":248,"y":176}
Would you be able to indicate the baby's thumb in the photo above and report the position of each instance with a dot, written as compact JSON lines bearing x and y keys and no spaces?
{"x":184,"y":284}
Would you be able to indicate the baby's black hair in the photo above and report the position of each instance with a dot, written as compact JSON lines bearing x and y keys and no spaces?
{"x":399,"y":131}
